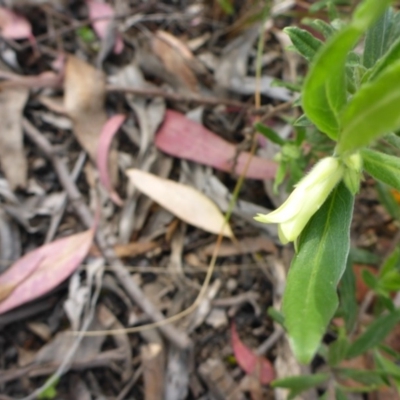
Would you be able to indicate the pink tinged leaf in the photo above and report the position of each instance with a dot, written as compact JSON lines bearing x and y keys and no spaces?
{"x":103,"y":14}
{"x":110,"y":128}
{"x":250,"y":362}
{"x":45,"y":268}
{"x":183,"y":138}
{"x":14,"y":26}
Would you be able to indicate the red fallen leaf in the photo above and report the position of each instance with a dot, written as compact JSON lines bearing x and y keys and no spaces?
{"x":250,"y":362}
{"x":14,"y":26}
{"x":110,"y":128}
{"x":103,"y":14}
{"x":41,"y":270}
{"x":183,"y":138}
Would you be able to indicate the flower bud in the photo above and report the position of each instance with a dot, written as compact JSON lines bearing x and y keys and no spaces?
{"x":307,"y":197}
{"x":352,"y":172}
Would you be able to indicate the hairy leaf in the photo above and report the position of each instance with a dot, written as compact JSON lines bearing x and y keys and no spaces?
{"x":377,"y":39}
{"x":382,"y":166}
{"x":324,"y":92}
{"x":310,"y":299}
{"x":305,"y":43}
{"x":372,"y":112}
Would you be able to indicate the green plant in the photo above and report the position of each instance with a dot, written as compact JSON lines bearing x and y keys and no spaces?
{"x":354,"y":99}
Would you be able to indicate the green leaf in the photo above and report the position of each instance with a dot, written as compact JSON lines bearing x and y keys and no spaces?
{"x":269,"y":134}
{"x":372,"y":112}
{"x":340,"y":394}
{"x":321,"y":26}
{"x":377,"y":39}
{"x":324,"y":87}
{"x":276,"y":315}
{"x":390,"y":367}
{"x":362,"y":256}
{"x":393,"y":139}
{"x":383,"y":167}
{"x":298,"y":384}
{"x":324,"y":91}
{"x":391,"y":263}
{"x":392,"y":55}
{"x":375,"y":333}
{"x":226,"y":6}
{"x":310,"y":298}
{"x":369,"y":378}
{"x":86,"y":34}
{"x":305,"y":43}
{"x":387,"y":199}
{"x":302,"y":121}
{"x":370,"y":279}
{"x":338,"y":349}
{"x":347,"y":295}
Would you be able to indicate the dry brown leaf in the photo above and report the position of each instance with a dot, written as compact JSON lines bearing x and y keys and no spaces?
{"x":84,"y":96}
{"x":13,"y":161}
{"x":176,"y":57}
{"x":185,"y":202}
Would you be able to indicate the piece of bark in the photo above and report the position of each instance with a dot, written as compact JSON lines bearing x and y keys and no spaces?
{"x":153,"y":361}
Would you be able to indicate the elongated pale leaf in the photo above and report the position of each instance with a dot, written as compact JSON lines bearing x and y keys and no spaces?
{"x":374,"y":334}
{"x":12,"y":155}
{"x":382,"y":166}
{"x":310,"y":298}
{"x":43,"y":269}
{"x":372,"y":112}
{"x":377,"y":39}
{"x":249,"y":361}
{"x":185,"y":202}
{"x":324,"y":91}
{"x":110,"y":128}
{"x":183,"y":138}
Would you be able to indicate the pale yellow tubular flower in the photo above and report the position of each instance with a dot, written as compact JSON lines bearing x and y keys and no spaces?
{"x":308,"y":196}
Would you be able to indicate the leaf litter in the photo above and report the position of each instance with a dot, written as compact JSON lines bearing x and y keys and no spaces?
{"x":148,"y":110}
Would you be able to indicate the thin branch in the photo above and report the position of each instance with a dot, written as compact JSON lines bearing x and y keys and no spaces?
{"x":194,"y":98}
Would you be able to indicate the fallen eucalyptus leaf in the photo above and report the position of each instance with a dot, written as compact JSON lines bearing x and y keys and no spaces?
{"x":41,"y":270}
{"x":185,"y":202}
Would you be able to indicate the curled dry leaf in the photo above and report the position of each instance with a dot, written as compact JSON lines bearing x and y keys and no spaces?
{"x":176,"y":57}
{"x":185,"y":202}
{"x":249,"y":361}
{"x":102,"y":15}
{"x":110,"y":128}
{"x":43,"y":269}
{"x":14,"y":26}
{"x":12,"y":156}
{"x":183,"y":138}
{"x":84,"y":95}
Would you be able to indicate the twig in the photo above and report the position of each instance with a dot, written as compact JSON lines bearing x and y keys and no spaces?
{"x":213,"y":101}
{"x":177,"y":337}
